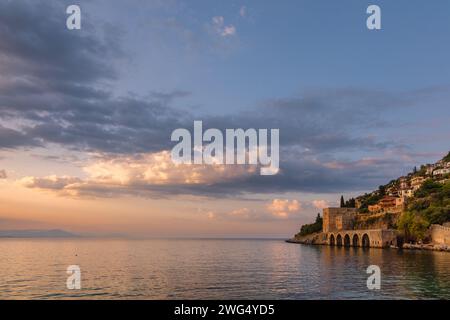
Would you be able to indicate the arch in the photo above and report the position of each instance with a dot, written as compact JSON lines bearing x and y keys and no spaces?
{"x":346,"y":240}
{"x":365,"y":241}
{"x":355,"y":240}
{"x":339,"y":240}
{"x":332,"y":240}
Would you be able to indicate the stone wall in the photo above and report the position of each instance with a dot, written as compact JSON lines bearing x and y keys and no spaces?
{"x":440,"y":234}
{"x":376,"y":221}
{"x":363,"y":238}
{"x":335,"y":219}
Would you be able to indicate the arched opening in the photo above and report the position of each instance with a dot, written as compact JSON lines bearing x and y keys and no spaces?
{"x":339,"y":240}
{"x":332,"y":241}
{"x":365,"y":241}
{"x":355,"y":241}
{"x":346,"y":240}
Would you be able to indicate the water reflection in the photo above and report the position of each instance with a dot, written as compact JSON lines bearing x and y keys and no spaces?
{"x":215,"y":269}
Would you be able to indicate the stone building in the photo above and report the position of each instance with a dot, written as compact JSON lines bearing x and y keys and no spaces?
{"x":406,"y":193}
{"x":392,"y":204}
{"x":338,"y":230}
{"x":336,"y":219}
{"x":404,"y":183}
{"x":440,"y":234}
{"x":374,"y":208}
{"x":379,"y":238}
{"x":417,"y":182}
{"x":441,"y":172}
{"x":388,"y":204}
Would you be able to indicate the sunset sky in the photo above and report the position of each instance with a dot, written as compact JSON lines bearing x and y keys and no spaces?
{"x":86,"y":115}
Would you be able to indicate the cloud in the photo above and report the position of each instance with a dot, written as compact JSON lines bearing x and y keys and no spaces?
{"x":3,"y":174}
{"x":240,"y":213}
{"x":158,"y":169}
{"x":320,"y":204}
{"x":283,"y":208}
{"x":48,"y":56}
{"x":154,"y":175}
{"x":145,"y":174}
{"x":52,"y":182}
{"x":220,"y":28}
{"x":264,"y":215}
{"x":11,"y":138}
{"x":56,"y":88}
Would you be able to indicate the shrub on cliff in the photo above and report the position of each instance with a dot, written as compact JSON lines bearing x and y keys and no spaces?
{"x":429,"y":187}
{"x":368,"y":200}
{"x":413,"y":226}
{"x":433,"y":198}
{"x":313,"y":227}
{"x":431,"y":205}
{"x":447,"y":157}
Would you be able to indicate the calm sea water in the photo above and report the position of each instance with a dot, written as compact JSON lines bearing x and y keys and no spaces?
{"x":215,"y":269}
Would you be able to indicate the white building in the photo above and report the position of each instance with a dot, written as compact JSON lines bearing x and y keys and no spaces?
{"x":406,"y":193}
{"x":442,"y":171}
{"x":430,"y":168}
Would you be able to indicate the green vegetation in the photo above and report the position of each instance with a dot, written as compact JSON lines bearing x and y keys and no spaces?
{"x":369,"y":200}
{"x":313,"y":227}
{"x":428,"y":188}
{"x":350,"y":203}
{"x":382,"y":191}
{"x":422,"y":172}
{"x":387,"y":219}
{"x":447,"y":157}
{"x":413,"y":226}
{"x":431,"y":205}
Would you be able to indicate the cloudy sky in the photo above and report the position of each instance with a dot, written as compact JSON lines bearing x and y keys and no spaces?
{"x":86,"y":115}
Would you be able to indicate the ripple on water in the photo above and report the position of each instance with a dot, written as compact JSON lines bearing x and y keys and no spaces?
{"x":215,"y":269}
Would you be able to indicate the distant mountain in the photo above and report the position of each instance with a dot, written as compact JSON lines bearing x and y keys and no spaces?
{"x":56,"y":233}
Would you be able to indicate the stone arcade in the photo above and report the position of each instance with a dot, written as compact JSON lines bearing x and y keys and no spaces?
{"x":338,"y":231}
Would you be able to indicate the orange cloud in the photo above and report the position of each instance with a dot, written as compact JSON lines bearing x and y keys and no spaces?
{"x":282,"y":208}
{"x":320,"y":204}
{"x":136,"y":173}
{"x":240,"y":213}
{"x":158,"y":168}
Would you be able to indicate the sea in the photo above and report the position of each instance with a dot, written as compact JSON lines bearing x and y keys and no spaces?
{"x":215,"y":269}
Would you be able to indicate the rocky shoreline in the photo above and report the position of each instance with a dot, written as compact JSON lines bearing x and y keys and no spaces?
{"x":310,"y":240}
{"x":429,"y":247}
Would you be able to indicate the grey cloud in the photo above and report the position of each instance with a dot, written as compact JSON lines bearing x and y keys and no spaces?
{"x":56,"y":85}
{"x":3,"y":174}
{"x":50,"y":183}
{"x":10,"y":138}
{"x":298,"y":174}
{"x":36,"y":42}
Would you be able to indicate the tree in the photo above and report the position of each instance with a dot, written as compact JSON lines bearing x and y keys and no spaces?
{"x":382,"y":190}
{"x":428,"y":187}
{"x":313,"y":227}
{"x":413,"y":226}
{"x":351,"y":203}
{"x":342,"y":202}
{"x":447,"y":157}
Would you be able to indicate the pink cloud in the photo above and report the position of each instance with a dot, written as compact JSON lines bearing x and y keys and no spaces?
{"x":320,"y":204}
{"x":283,"y":208}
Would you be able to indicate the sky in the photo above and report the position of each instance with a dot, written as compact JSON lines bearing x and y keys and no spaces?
{"x":86,"y":115}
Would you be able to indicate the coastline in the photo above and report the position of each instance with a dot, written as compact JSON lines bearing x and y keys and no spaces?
{"x":310,"y":240}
